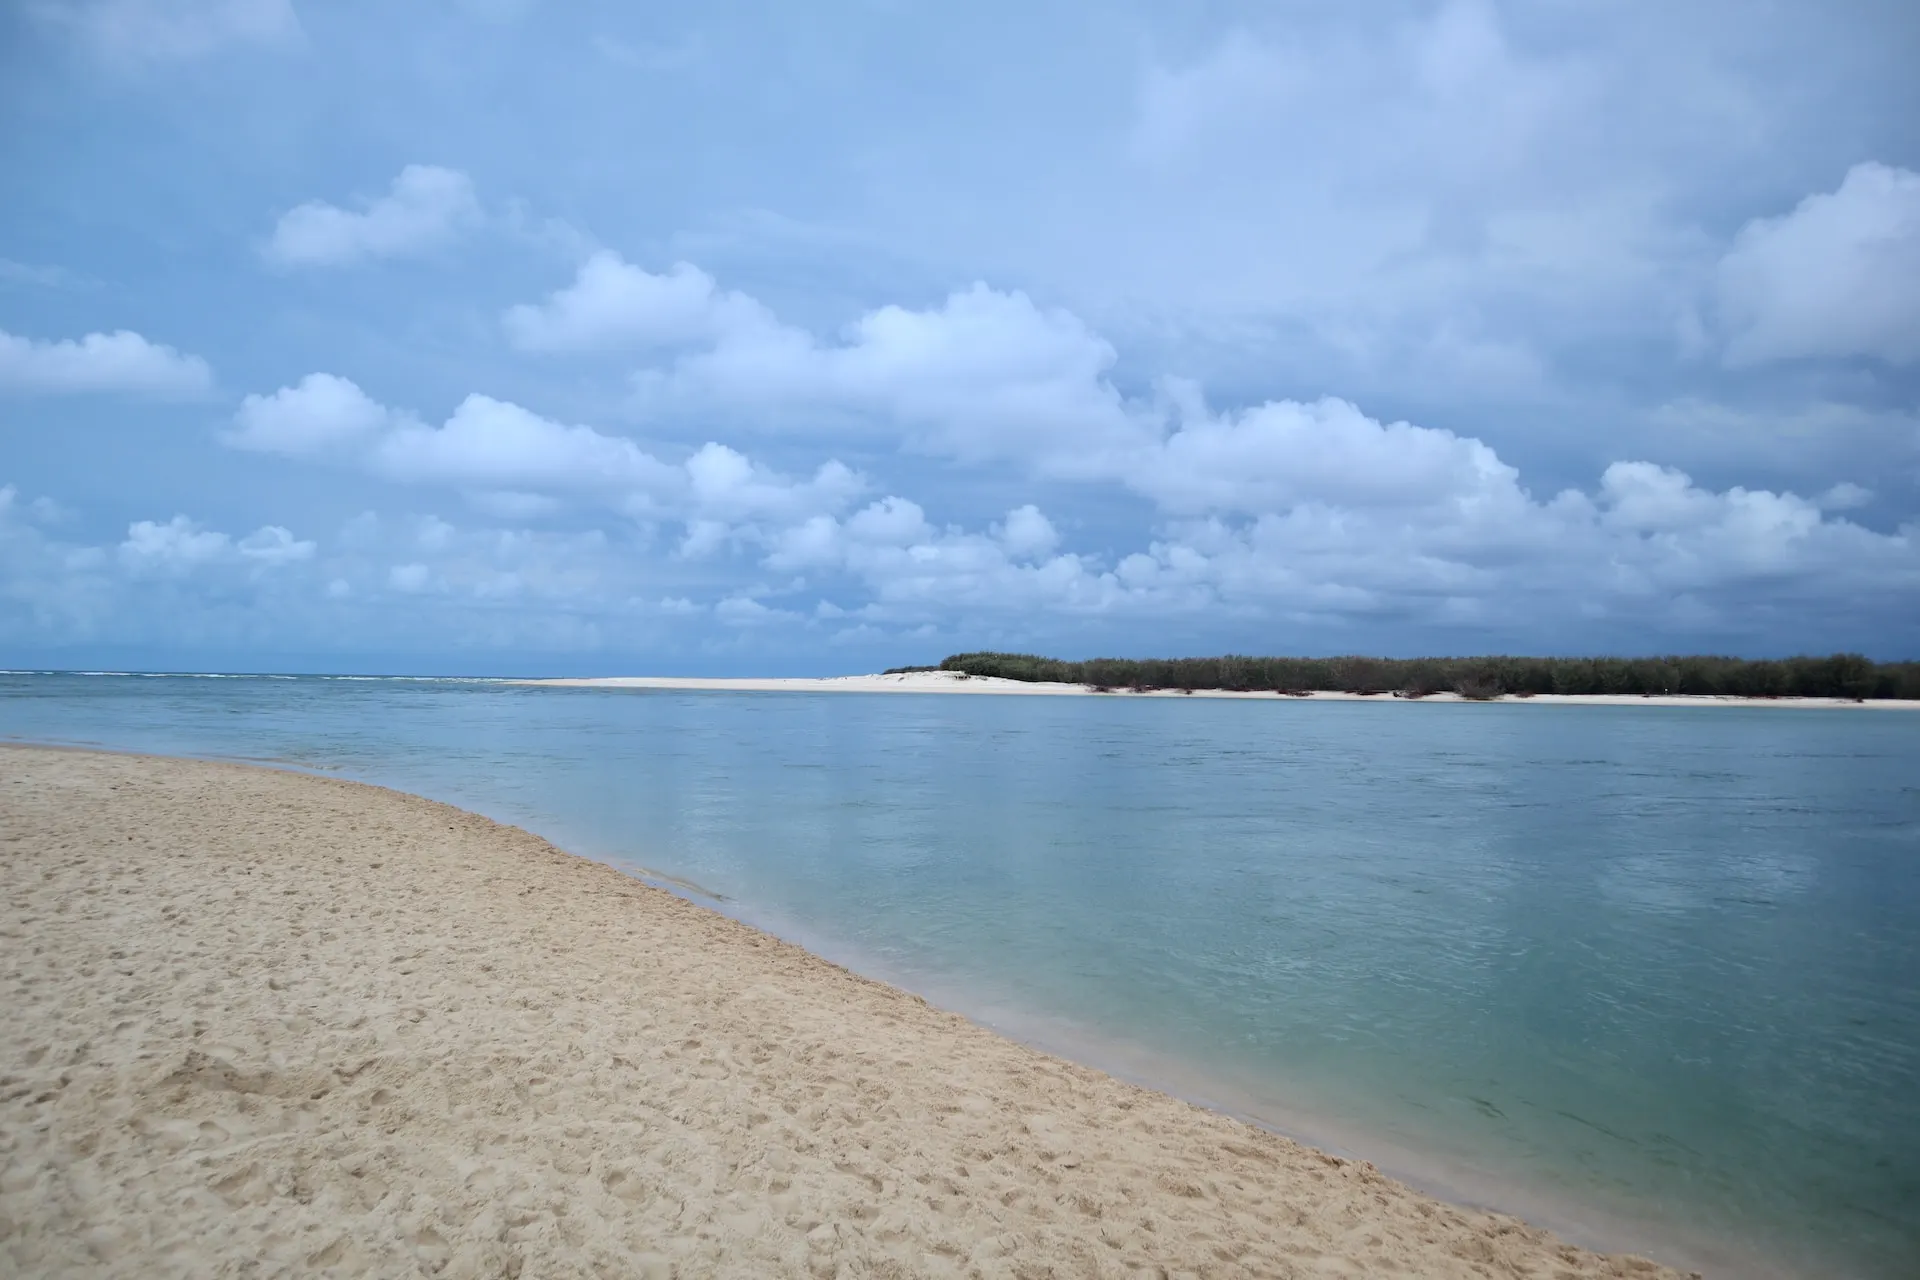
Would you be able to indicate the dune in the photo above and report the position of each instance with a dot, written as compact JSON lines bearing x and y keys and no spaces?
{"x":267,"y":1023}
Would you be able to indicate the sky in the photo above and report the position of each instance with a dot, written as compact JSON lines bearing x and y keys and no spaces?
{"x":524,"y":337}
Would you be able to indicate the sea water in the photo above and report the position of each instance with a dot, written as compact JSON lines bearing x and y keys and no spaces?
{"x":1649,"y":975}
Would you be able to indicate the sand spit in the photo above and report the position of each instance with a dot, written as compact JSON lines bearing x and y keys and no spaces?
{"x":266,"y":1023}
{"x":954,"y":682}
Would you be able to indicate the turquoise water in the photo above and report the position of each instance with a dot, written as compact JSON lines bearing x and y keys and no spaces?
{"x":1651,"y":975}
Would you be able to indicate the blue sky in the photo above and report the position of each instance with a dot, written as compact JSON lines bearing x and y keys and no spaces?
{"x":512,"y":335}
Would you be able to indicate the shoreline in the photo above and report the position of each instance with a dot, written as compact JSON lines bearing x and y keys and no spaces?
{"x":193,"y":829}
{"x":950,"y":682}
{"x":1451,"y":1177}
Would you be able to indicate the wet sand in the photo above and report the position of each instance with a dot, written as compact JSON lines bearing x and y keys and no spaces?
{"x":261,"y":1022}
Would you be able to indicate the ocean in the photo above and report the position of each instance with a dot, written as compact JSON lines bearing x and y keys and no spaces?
{"x":1649,"y":976}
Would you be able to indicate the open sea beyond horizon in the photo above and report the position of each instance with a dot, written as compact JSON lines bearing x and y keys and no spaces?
{"x":1649,"y":976}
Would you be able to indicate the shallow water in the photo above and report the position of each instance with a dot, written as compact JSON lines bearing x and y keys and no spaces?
{"x":1651,"y":974}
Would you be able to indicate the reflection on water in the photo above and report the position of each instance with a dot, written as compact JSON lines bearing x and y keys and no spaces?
{"x":1659,"y":966}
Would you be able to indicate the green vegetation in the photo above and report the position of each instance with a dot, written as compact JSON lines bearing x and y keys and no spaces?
{"x":1844,"y":675}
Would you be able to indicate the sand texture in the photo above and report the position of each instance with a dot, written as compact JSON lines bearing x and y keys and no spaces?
{"x":955,"y":682}
{"x":260,"y":1023}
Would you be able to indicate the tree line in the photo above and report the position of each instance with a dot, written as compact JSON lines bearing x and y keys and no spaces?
{"x":1841,"y":675}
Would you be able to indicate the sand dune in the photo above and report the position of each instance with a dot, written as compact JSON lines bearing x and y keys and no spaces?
{"x":956,"y":682}
{"x":263,"y":1023}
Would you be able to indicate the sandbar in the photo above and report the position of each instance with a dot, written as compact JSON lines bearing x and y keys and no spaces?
{"x":261,"y":1022}
{"x":957,"y":682}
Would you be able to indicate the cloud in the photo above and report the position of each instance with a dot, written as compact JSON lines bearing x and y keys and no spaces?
{"x":986,"y":375}
{"x":273,"y":545}
{"x":1282,"y":454}
{"x":990,"y":376}
{"x":1845,"y":496}
{"x":613,"y":304}
{"x":181,"y":545}
{"x":1285,"y":504}
{"x":426,"y":207}
{"x":322,"y":412}
{"x":727,"y":485}
{"x":122,"y":361}
{"x":1838,"y":277}
{"x":491,"y":444}
{"x":1027,"y":534}
{"x":744,"y":611}
{"x":513,"y":463}
{"x":148,"y":31}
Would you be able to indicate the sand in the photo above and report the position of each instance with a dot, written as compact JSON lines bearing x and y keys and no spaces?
{"x":263,"y":1023}
{"x":955,"y":682}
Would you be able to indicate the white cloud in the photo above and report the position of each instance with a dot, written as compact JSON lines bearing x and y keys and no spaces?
{"x":426,"y":207}
{"x":743,"y":611}
{"x":989,"y":376}
{"x":178,"y":544}
{"x":140,"y":31}
{"x":727,"y":485}
{"x":985,"y":375}
{"x":1027,"y":534}
{"x":1837,"y":277}
{"x":514,"y":464}
{"x":891,"y":522}
{"x":1644,"y":540}
{"x":181,"y":545}
{"x":1281,"y":454}
{"x":491,"y":444}
{"x":273,"y":545}
{"x":612,"y":303}
{"x":122,"y":361}
{"x":320,"y":413}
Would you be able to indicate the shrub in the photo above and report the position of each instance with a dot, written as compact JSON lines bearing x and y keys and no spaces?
{"x":1843,"y":675}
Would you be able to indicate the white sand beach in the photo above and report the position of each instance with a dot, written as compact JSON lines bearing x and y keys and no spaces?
{"x":956,"y":682}
{"x":267,"y":1023}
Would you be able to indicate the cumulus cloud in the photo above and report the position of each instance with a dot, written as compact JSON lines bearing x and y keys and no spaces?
{"x":121,"y":361}
{"x":177,"y":544}
{"x":513,"y":463}
{"x":1839,"y":276}
{"x":181,"y":545}
{"x":425,"y":207}
{"x":492,"y":444}
{"x":613,"y":304}
{"x":146,"y":31}
{"x":727,"y":485}
{"x":1027,"y":534}
{"x":1281,"y":454}
{"x":274,"y":545}
{"x":1309,"y":507}
{"x":323,"y":411}
{"x":988,"y":374}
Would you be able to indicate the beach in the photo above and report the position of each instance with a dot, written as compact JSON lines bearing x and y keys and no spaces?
{"x":266,"y":1022}
{"x":958,"y":682}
